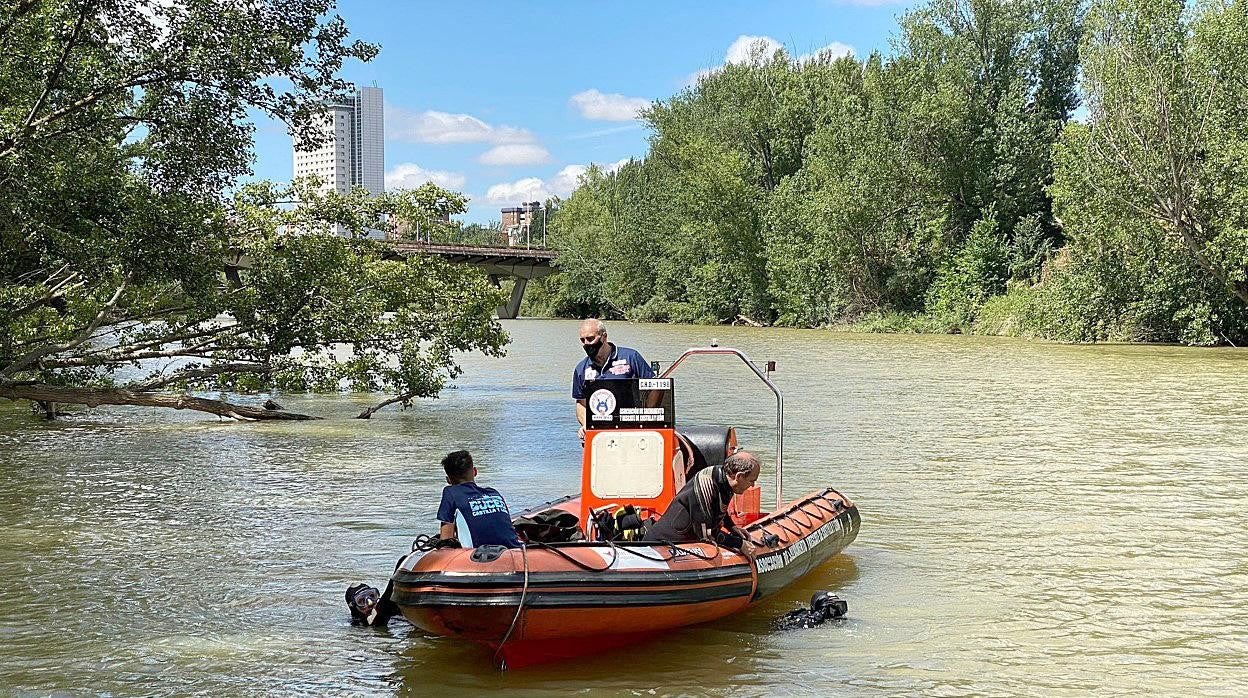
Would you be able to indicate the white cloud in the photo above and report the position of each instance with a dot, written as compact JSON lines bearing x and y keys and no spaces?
{"x":598,"y":133}
{"x":748,"y":48}
{"x":409,"y":175}
{"x":615,"y":166}
{"x":515,"y":154}
{"x":563,"y":183}
{"x":443,"y":127}
{"x":566,"y":180}
{"x":833,"y":50}
{"x":595,"y":105}
{"x":527,"y":189}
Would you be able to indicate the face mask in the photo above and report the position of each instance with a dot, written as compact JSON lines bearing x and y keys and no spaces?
{"x":592,"y":348}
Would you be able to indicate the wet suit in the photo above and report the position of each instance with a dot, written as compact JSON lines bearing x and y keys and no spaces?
{"x":699,"y":511}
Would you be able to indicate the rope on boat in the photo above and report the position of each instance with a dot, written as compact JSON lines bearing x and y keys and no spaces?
{"x":790,"y":531}
{"x":424,"y":543}
{"x":615,"y":553}
{"x":819,"y":503}
{"x":801,"y":506}
{"x":810,"y":518}
{"x":673,"y":547}
{"x":524,"y":592}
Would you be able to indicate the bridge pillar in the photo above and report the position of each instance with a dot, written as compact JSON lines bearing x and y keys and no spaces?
{"x":511,"y":309}
{"x":498,"y":263}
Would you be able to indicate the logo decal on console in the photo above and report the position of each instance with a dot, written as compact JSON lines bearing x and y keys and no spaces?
{"x":602,"y":402}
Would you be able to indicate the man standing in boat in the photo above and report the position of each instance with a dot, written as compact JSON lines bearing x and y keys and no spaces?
{"x":603,"y":360}
{"x":699,"y":511}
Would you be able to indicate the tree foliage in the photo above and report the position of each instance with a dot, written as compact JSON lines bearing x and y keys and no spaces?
{"x":1153,"y":187}
{"x":828,"y":189}
{"x":945,"y":186}
{"x":122,"y":125}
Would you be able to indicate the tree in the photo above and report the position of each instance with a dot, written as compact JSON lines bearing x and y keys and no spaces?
{"x":1166,"y":127}
{"x":1152,"y":188}
{"x":423,"y":218}
{"x":122,"y":123}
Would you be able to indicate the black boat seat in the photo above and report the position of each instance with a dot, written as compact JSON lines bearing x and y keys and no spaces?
{"x":710,"y":446}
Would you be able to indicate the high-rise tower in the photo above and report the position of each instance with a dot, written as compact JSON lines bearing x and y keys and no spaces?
{"x":355,"y":154}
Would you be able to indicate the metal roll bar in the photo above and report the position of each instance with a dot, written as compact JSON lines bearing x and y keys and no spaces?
{"x":695,"y":351}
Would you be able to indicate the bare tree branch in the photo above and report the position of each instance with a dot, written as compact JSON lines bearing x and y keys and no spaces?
{"x":403,"y":397}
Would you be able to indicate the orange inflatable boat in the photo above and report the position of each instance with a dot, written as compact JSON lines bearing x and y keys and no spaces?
{"x":584,"y":582}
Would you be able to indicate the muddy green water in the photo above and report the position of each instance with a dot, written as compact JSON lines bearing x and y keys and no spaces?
{"x":1037,"y":520}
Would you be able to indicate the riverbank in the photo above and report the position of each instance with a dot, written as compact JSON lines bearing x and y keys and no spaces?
{"x":1039,"y":312}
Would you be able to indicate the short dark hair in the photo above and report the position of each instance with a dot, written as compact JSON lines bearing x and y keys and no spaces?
{"x":457,"y":464}
{"x":741,"y":463}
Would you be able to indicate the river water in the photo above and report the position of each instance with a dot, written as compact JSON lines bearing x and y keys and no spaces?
{"x":1036,"y":519}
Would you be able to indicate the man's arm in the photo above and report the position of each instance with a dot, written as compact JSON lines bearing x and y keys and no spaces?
{"x":733,"y":536}
{"x":578,"y":390}
{"x":447,"y":531}
{"x":642,"y":368}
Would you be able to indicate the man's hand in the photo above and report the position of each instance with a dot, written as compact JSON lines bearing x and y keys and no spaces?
{"x":580,"y":434}
{"x":748,"y":547}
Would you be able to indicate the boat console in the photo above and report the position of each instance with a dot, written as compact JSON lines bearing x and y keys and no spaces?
{"x":631,"y":449}
{"x":636,"y":460}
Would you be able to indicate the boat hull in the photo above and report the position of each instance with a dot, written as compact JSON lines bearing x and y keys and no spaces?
{"x":565,"y":599}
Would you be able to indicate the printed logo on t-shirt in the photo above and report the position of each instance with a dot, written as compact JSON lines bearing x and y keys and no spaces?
{"x":487,"y":504}
{"x":621,"y":368}
{"x":590,"y":373}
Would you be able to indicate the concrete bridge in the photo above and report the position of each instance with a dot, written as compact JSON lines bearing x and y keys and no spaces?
{"x":519,"y":263}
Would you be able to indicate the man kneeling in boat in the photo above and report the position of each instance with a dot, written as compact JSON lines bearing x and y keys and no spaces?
{"x":699,"y":511}
{"x":482,"y":509}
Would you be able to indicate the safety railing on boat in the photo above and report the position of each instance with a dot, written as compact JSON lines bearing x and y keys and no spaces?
{"x":729,"y":351}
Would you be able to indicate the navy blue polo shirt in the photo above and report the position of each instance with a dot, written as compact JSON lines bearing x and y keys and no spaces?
{"x":622,"y":363}
{"x":483,"y":509}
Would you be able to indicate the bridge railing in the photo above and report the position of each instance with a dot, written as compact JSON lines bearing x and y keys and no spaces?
{"x":438,"y":235}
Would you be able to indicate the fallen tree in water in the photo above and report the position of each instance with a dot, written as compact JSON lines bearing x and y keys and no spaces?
{"x":94,"y":397}
{"x":308,"y":311}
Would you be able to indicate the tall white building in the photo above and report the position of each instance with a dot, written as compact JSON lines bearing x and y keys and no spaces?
{"x":355,"y":155}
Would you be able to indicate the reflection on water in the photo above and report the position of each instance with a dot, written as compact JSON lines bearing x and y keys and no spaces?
{"x":1036,"y":519}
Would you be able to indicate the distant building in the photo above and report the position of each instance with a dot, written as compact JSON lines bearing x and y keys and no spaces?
{"x":355,"y":154}
{"x":518,"y":222}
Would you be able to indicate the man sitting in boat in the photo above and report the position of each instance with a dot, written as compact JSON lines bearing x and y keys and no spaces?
{"x":482,"y":509}
{"x":603,"y":360}
{"x":699,"y":511}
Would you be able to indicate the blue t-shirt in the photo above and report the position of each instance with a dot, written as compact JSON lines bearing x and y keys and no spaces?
{"x":484,"y":511}
{"x":622,"y":363}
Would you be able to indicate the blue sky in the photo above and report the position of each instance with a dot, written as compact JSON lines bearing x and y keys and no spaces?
{"x":509,"y":101}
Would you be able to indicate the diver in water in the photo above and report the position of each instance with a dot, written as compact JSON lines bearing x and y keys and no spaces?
{"x":369,"y":606}
{"x":824,"y":606}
